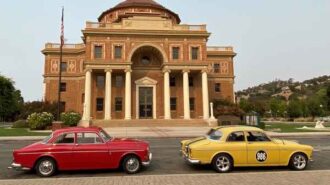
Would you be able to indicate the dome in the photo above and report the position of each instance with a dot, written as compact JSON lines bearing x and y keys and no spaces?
{"x":139,"y":4}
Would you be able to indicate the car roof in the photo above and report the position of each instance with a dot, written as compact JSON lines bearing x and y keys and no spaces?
{"x":77,"y":129}
{"x":233,"y":128}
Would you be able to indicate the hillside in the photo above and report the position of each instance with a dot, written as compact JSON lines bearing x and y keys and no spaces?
{"x":286,"y":90}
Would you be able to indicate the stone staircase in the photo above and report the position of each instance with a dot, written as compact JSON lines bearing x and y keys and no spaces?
{"x":151,"y":123}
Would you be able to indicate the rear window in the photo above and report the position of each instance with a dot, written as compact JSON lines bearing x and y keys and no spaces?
{"x":214,"y":134}
{"x":44,"y":141}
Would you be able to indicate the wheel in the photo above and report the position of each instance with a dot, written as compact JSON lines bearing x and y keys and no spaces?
{"x":131,"y":164}
{"x":46,"y":167}
{"x":298,"y":161}
{"x":222,"y":163}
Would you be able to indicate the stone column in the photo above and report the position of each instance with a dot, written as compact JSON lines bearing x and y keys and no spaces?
{"x":88,"y":94}
{"x":107,"y":107}
{"x":186,"y":104}
{"x":128,"y":103}
{"x":167,"y":94}
{"x":205,"y":94}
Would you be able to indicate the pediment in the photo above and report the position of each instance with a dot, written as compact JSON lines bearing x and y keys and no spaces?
{"x":146,"y":81}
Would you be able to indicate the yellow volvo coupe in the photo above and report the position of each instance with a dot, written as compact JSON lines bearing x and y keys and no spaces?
{"x":241,"y":146}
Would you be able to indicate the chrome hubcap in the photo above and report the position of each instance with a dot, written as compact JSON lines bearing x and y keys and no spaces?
{"x":132,"y":164}
{"x":46,"y":167}
{"x":222,"y":163}
{"x":299,"y":162}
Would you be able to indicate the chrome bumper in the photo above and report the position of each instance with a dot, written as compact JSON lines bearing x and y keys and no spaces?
{"x":147,"y":163}
{"x":191,"y":161}
{"x":18,"y":167}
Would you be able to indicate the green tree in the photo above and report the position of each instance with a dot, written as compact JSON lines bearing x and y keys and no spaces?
{"x":328,"y":98}
{"x":315,"y":106}
{"x":277,"y":107}
{"x":11,"y":100}
{"x":245,"y":105}
{"x":295,"y":109}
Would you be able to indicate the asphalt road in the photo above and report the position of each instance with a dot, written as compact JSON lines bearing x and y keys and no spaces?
{"x":166,"y":160}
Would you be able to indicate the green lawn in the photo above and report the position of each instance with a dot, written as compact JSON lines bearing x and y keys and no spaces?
{"x":19,"y":132}
{"x":287,"y":127}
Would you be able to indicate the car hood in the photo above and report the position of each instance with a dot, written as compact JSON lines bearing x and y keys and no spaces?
{"x":284,"y":142}
{"x":129,"y":141}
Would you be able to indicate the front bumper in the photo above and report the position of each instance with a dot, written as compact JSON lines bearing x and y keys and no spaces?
{"x":18,"y":167}
{"x":147,"y":163}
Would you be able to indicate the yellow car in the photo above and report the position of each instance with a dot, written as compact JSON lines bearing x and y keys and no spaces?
{"x":242,"y":146}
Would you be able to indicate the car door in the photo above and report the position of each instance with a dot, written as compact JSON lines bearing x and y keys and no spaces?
{"x":61,"y":150}
{"x":236,"y":145}
{"x":261,"y":150}
{"x":91,"y":152}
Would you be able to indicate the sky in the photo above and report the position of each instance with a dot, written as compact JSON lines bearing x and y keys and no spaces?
{"x":273,"y":39}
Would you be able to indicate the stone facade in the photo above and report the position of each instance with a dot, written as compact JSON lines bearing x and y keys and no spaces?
{"x":139,"y":62}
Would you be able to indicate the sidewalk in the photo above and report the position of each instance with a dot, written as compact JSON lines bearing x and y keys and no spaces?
{"x":255,"y":178}
{"x":169,"y":132}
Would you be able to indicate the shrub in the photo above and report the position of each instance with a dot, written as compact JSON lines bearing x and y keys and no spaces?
{"x":20,"y":124}
{"x":70,"y":118}
{"x":39,"y":121}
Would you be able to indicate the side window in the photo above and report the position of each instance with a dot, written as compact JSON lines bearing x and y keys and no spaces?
{"x":236,"y":137}
{"x":88,"y":138}
{"x":67,"y":138}
{"x":257,"y":137}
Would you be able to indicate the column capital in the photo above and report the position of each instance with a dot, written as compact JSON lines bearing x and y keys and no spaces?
{"x":186,"y":70}
{"x":108,"y":70}
{"x":88,"y":70}
{"x":166,"y":70}
{"x":205,"y":70}
{"x":128,"y":70}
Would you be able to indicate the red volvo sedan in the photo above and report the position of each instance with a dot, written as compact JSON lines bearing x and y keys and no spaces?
{"x":82,"y":149}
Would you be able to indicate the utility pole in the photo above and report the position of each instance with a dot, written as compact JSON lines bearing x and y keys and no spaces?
{"x":60,"y":68}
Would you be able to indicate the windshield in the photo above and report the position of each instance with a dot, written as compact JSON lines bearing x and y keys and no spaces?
{"x":44,"y":141}
{"x":105,"y":136}
{"x":214,"y":134}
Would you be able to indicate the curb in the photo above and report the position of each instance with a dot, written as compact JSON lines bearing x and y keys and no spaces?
{"x":291,"y":135}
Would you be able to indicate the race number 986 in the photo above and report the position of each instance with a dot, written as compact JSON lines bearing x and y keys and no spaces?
{"x":261,"y":156}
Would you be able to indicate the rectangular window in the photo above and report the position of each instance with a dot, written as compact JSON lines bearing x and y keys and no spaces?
{"x":88,"y":138}
{"x":217,"y":87}
{"x":67,"y":138}
{"x":118,"y":52}
{"x":192,"y":104}
{"x":64,"y":66}
{"x":216,"y":68}
{"x":100,"y":81}
{"x":99,"y":104}
{"x":175,"y":53}
{"x":191,"y":81}
{"x":119,"y":81}
{"x":98,"y":52}
{"x":173,"y":104}
{"x":194,"y":53}
{"x":63,"y":87}
{"x":172,"y":81}
{"x":118,"y":104}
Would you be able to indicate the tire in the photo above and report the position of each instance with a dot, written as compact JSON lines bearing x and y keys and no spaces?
{"x":298,"y":161}
{"x":222,"y":163}
{"x":131,"y":164}
{"x":46,"y":167}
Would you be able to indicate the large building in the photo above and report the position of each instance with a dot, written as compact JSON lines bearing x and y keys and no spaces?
{"x":140,"y":62}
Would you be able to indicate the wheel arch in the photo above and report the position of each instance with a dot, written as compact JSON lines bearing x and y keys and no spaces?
{"x":45,"y":156}
{"x":224,"y":153}
{"x":297,"y":152}
{"x":122,"y":158}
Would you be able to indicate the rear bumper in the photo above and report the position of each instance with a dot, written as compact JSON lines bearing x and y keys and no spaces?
{"x":18,"y":167}
{"x":188,"y":159}
{"x":147,"y":163}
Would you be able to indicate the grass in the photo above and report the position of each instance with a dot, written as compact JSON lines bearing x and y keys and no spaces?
{"x":5,"y":132}
{"x":288,"y":127}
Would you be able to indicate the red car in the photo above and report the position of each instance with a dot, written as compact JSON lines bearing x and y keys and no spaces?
{"x":82,"y":149}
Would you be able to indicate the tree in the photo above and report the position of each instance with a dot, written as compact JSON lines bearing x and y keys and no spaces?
{"x":38,"y":107}
{"x":315,"y":107}
{"x":328,"y":97}
{"x":277,"y":107}
{"x":11,"y":100}
{"x":295,"y":109}
{"x":225,"y":107}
